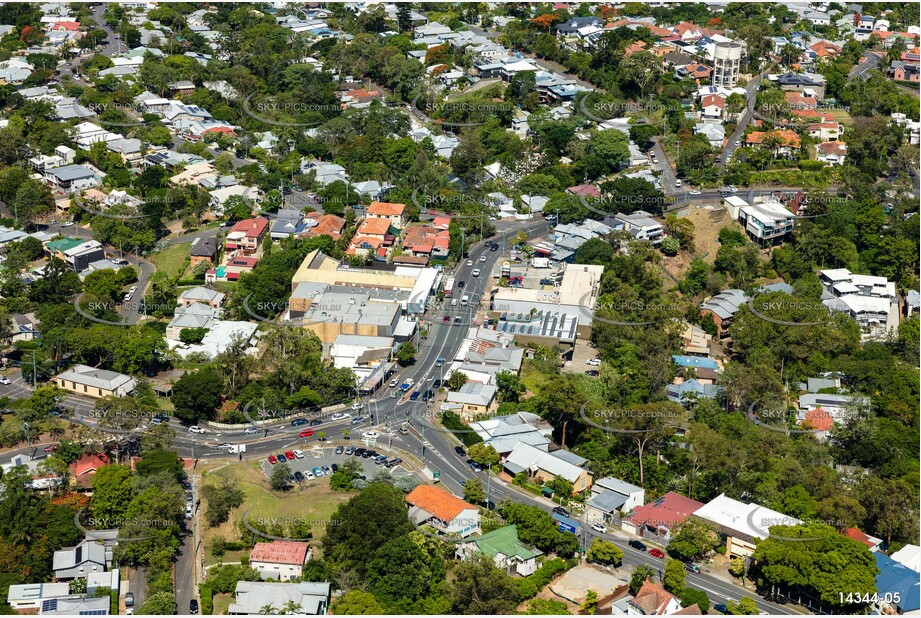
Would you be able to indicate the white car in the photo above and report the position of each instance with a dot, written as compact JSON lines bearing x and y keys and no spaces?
{"x":68,"y":224}
{"x":476,"y":272}
{"x":410,"y":381}
{"x":694,"y":192}
{"x":469,"y":262}
{"x":394,"y":383}
{"x":128,"y":297}
{"x":298,"y":454}
{"x":4,"y":380}
{"x":339,"y":416}
{"x":133,"y":289}
{"x":733,"y":189}
{"x":483,"y":258}
{"x":226,"y":445}
{"x":677,"y":182}
{"x":371,"y":435}
{"x":196,"y":429}
{"x":599,"y":527}
{"x":309,"y":476}
{"x":594,"y":362}
{"x":357,"y":406}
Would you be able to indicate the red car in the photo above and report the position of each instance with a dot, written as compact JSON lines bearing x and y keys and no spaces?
{"x":290,"y":456}
{"x":307,"y":433}
{"x":656,"y":553}
{"x":273,"y":460}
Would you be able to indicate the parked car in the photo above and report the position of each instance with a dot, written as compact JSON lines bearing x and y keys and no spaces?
{"x":460,"y":451}
{"x":637,"y":545}
{"x":306,"y":433}
{"x":379,"y":459}
{"x":298,"y":454}
{"x":721,"y":608}
{"x":327,"y":470}
{"x":656,"y":552}
{"x":339,"y":450}
{"x":193,"y":606}
{"x":4,"y":380}
{"x":281,"y":458}
{"x":368,"y":454}
{"x":349,"y":450}
{"x":129,"y":599}
{"x":335,"y":467}
{"x":593,"y":373}
{"x":392,"y":462}
{"x":317,"y":472}
{"x":594,"y":362}
{"x":298,"y":476}
{"x":309,"y":476}
{"x":359,"y":451}
{"x":474,"y":466}
{"x":394,"y":382}
{"x":561,"y":511}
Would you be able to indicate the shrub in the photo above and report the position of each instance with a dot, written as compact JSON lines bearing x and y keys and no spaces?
{"x":531,"y":585}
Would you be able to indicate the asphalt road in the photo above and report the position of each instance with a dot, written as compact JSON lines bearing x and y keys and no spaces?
{"x":871,"y":61}
{"x":751,"y":90}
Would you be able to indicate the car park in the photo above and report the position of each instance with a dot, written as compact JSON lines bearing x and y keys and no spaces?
{"x":561,"y":511}
{"x":349,"y":450}
{"x":306,"y":433}
{"x":298,"y":454}
{"x":368,"y":454}
{"x":656,"y":553}
{"x":359,"y":451}
{"x":637,"y":545}
{"x":281,"y":458}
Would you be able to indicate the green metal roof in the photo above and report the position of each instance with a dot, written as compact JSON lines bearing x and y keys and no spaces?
{"x":504,"y":541}
{"x":64,"y":244}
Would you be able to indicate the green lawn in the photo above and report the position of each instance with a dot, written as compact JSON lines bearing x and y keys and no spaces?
{"x":172,"y":259}
{"x":315,"y":502}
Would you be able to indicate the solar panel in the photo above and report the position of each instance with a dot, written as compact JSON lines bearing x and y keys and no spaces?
{"x":49,"y":605}
{"x":94,"y":612}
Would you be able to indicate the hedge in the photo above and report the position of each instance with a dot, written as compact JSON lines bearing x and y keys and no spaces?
{"x":207,"y":599}
{"x":529,"y":586}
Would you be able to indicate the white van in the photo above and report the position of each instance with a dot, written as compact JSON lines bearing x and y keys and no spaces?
{"x":454,"y":302}
{"x":465,"y":300}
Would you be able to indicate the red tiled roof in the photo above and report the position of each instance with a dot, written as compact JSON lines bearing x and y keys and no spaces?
{"x":280,"y":552}
{"x":386,"y":209}
{"x":819,"y":420}
{"x":713,"y":99}
{"x":88,"y":464}
{"x":837,"y":148}
{"x":652,"y":598}
{"x":326,"y":225}
{"x":441,"y":222}
{"x":667,"y":512}
{"x":253,"y":228}
{"x":66,"y":25}
{"x":224,"y":130}
{"x":787,"y":137}
{"x":857,"y":535}
{"x":589,"y":190}
{"x":437,"y":502}
{"x":374,"y":227}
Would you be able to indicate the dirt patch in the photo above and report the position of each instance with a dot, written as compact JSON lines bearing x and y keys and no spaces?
{"x":708,"y":220}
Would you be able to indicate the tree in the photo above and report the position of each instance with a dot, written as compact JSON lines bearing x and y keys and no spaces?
{"x":456,"y":380}
{"x":737,"y":567}
{"x":478,"y":587}
{"x":641,"y":68}
{"x":281,"y":477}
{"x":474,"y":492}
{"x":192,"y":335}
{"x":197,"y":394}
{"x":406,"y":354}
{"x":691,"y":596}
{"x":342,"y":478}
{"x":640,"y":574}
{"x":159,"y":604}
{"x":111,"y":495}
{"x":673,"y":577}
{"x":484,"y":454}
{"x":609,"y":151}
{"x":509,"y":385}
{"x":222,"y":497}
{"x":590,"y":603}
{"x":605,"y":552}
{"x":745,"y":607}
{"x":357,"y":602}
{"x":693,"y":541}
{"x":402,"y":574}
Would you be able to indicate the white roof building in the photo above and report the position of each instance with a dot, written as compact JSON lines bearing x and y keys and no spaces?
{"x":741,"y":523}
{"x":525,"y":457}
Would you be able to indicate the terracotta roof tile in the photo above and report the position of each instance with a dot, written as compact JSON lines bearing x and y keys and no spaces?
{"x":438,"y":502}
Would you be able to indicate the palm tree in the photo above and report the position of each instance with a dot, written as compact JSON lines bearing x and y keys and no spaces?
{"x":267,"y":609}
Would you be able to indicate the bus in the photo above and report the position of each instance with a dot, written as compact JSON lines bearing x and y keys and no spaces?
{"x":449,"y":287}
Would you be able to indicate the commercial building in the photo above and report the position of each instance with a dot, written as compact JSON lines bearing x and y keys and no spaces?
{"x":472,"y":400}
{"x":94,"y":382}
{"x":740,"y":524}
{"x":330,"y":311}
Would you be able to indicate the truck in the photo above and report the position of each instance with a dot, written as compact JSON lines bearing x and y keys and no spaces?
{"x":449,"y":287}
{"x":540,"y":262}
{"x":233,"y":449}
{"x":506,"y":268}
{"x":465,"y":300}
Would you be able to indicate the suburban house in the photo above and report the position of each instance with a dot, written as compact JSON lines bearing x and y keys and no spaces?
{"x":542,"y":467}
{"x":659,"y":519}
{"x":783,"y":142}
{"x":506,"y":550}
{"x":910,"y":556}
{"x":611,"y":497}
{"x":897,"y":586}
{"x":288,"y":222}
{"x":205,"y":296}
{"x":641,"y":226}
{"x":281,"y":560}
{"x":740,"y":524}
{"x":723,"y":308}
{"x":309,"y":598}
{"x":868,"y":299}
{"x":246,"y":236}
{"x":33,"y":596}
{"x":871,"y":542}
{"x":395,"y":213}
{"x":445,"y":512}
{"x":472,"y":399}
{"x":93,"y":382}
{"x":316,"y":224}
{"x":74,"y":562}
{"x":72,"y":178}
{"x":653,"y":600}
{"x":504,"y":432}
{"x":77,"y":253}
{"x":203,"y":250}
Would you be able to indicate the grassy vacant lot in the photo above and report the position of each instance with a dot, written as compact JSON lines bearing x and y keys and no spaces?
{"x":172,"y":259}
{"x":314,"y":501}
